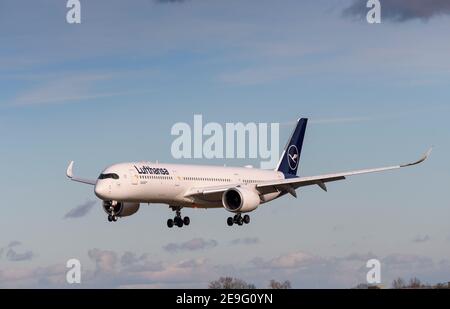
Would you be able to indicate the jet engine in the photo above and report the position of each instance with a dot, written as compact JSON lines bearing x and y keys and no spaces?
{"x":240,"y":200}
{"x":121,"y":209}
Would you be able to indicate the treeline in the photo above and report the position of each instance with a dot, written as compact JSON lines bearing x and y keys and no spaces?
{"x":415,"y":283}
{"x":231,"y":283}
{"x":400,"y":283}
{"x":235,"y":283}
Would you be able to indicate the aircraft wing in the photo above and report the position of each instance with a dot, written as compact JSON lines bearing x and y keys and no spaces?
{"x":289,"y":185}
{"x":69,"y":173}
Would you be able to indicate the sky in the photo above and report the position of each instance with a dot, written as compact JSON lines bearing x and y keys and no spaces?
{"x":110,"y":89}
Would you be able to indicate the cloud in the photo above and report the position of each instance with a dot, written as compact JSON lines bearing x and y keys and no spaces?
{"x":114,"y":270}
{"x":139,"y":270}
{"x":130,"y":258}
{"x":69,"y":87}
{"x":74,"y":88}
{"x":407,"y":261}
{"x":291,"y":260}
{"x":80,"y":210}
{"x":14,"y":243}
{"x":421,"y":239}
{"x":105,"y":260}
{"x":259,"y":75}
{"x":13,"y":256}
{"x":39,"y":277}
{"x":191,"y":245}
{"x":402,"y":10}
{"x":338,"y":120}
{"x":305,"y":270}
{"x":245,"y":241}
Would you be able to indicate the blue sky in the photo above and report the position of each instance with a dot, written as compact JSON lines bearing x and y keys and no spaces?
{"x":110,"y":89}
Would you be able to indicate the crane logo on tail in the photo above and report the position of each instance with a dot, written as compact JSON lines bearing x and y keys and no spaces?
{"x":292,"y":155}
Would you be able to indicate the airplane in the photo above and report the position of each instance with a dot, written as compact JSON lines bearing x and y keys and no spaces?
{"x":240,"y":190}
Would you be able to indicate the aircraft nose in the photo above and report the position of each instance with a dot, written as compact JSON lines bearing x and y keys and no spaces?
{"x":101,"y":189}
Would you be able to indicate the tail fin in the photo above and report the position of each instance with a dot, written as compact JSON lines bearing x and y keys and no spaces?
{"x":290,"y":158}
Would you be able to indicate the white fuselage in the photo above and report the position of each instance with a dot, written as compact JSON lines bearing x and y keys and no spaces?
{"x":123,"y":187}
{"x":146,"y":182}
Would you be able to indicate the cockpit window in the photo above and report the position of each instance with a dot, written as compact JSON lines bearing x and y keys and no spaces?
{"x":111,"y":175}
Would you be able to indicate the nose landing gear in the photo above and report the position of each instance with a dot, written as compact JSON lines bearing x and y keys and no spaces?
{"x":112,"y":209}
{"x":238,"y":219}
{"x":178,"y":220}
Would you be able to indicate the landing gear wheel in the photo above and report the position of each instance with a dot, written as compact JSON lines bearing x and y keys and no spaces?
{"x":186,"y":220}
{"x":114,"y":218}
{"x":110,"y":218}
{"x":230,"y":221}
{"x":178,"y":220}
{"x":246,"y":219}
{"x":238,"y":219}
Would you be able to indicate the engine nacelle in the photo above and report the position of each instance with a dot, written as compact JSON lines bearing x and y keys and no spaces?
{"x":121,"y":209}
{"x":240,"y":200}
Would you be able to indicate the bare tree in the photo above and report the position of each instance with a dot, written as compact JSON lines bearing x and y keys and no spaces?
{"x":442,"y":286}
{"x":398,"y":283}
{"x":230,"y":283}
{"x":279,"y":285}
{"x":414,"y":283}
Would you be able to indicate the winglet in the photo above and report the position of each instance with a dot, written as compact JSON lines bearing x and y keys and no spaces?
{"x":69,"y":171}
{"x":425,"y":156}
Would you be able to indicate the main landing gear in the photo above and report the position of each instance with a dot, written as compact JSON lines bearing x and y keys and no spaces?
{"x":238,"y":219}
{"x":178,"y":220}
